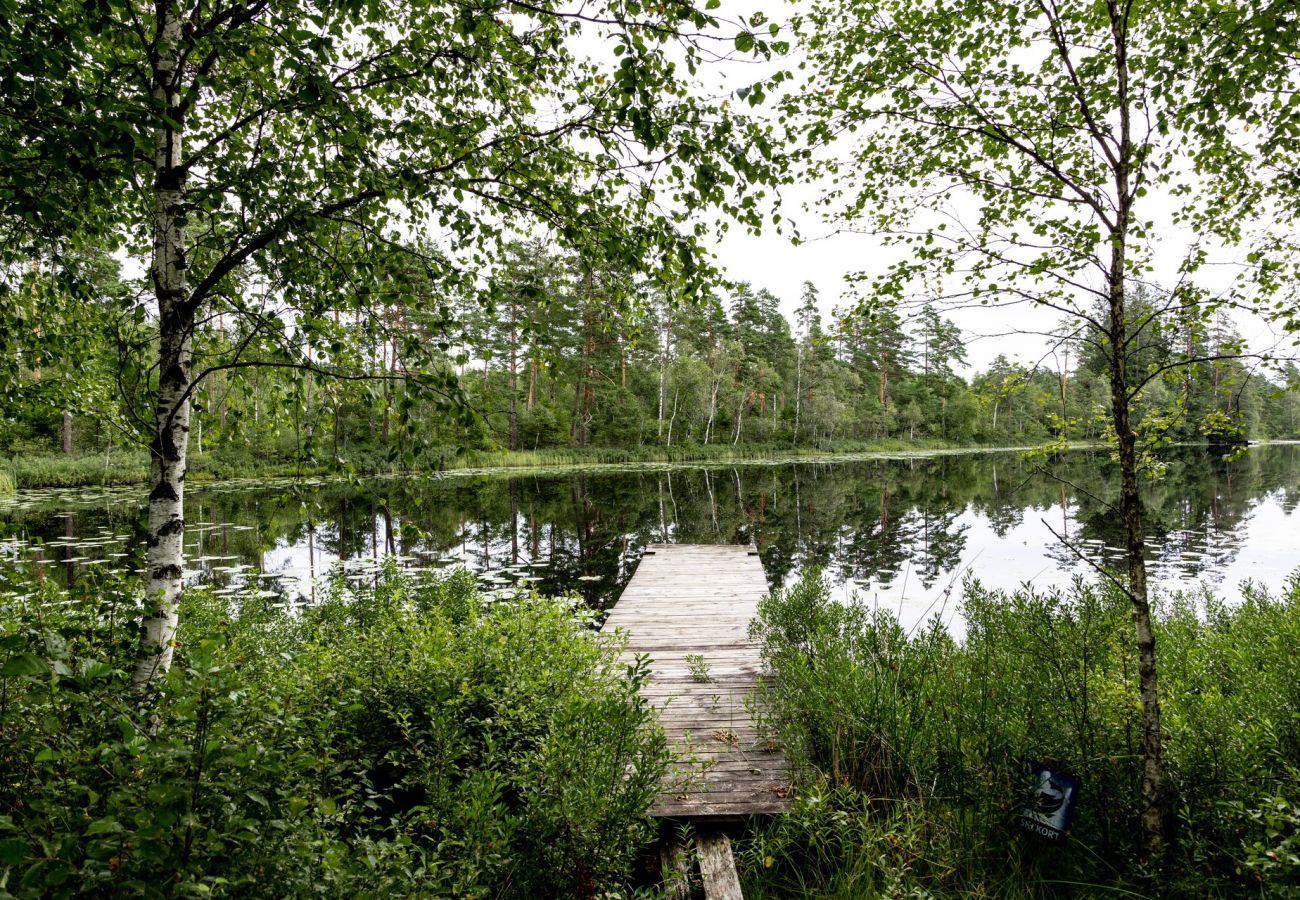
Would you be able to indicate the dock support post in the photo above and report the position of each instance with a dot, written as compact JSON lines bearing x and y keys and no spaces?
{"x":718,"y":867}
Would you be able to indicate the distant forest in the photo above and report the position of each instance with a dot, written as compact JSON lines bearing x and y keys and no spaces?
{"x":562,"y":357}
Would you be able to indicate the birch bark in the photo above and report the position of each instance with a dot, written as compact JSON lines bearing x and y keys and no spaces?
{"x":170,"y":445}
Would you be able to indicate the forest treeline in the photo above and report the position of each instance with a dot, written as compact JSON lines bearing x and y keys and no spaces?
{"x":565,"y":357}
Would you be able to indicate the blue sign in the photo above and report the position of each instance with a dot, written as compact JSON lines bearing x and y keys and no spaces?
{"x":1050,"y":805}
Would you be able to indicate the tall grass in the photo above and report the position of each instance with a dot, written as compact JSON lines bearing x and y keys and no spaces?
{"x":912,"y":750}
{"x":72,"y":470}
{"x":578,"y":456}
{"x":7,"y":485}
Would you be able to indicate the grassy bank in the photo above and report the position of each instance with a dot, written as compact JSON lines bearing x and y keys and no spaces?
{"x":912,"y":751}
{"x":581,"y":456}
{"x":132,"y":467}
{"x":398,"y":740}
{"x":30,"y":470}
{"x":60,"y":470}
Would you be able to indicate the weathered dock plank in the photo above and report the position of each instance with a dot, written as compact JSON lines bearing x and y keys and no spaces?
{"x":688,"y":600}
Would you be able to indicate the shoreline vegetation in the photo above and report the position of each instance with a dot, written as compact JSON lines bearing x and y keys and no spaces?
{"x":124,"y":468}
{"x":401,"y":738}
{"x":119,"y":468}
{"x":913,"y":753}
{"x":405,"y":737}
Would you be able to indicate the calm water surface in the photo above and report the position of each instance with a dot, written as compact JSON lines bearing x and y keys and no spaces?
{"x":901,"y":532}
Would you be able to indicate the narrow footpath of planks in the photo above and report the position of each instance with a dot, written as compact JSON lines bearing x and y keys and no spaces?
{"x":688,"y":607}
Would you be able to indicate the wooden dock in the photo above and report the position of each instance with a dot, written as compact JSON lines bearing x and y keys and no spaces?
{"x":688,"y":607}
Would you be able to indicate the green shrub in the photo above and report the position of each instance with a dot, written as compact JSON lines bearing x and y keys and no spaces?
{"x":913,"y":749}
{"x":397,"y":740}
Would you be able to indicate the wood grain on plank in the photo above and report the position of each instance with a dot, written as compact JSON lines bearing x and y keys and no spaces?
{"x":687,"y":602}
{"x":718,"y":867}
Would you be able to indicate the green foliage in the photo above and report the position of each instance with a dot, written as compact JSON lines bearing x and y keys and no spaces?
{"x":60,"y":470}
{"x":560,"y":365}
{"x":912,"y":748}
{"x":399,"y":739}
{"x":1273,"y":858}
{"x":7,"y":483}
{"x":699,"y":668}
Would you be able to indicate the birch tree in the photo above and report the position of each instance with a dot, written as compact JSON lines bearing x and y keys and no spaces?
{"x":1008,"y":149}
{"x":303,"y":147}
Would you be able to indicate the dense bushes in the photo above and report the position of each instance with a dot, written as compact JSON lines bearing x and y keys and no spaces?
{"x":396,"y":740}
{"x":913,"y":748}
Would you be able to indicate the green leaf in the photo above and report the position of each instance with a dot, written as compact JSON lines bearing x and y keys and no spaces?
{"x":745,"y":42}
{"x":24,"y":664}
{"x":107,"y":825}
{"x":12,"y":851}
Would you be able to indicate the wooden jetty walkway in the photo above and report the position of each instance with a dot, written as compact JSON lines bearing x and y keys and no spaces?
{"x":688,"y":607}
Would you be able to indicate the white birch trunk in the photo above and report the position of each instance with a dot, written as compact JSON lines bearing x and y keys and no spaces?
{"x":166,"y":541}
{"x":665,"y":350}
{"x":713,"y":407}
{"x":798,"y":392}
{"x":673,"y":419}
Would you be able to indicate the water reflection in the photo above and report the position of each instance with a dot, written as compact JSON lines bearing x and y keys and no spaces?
{"x":902,"y":531}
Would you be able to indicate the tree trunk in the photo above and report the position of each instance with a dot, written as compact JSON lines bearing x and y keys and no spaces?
{"x":514,"y":377}
{"x":673,"y":418}
{"x":1065,"y":379}
{"x":166,"y":542}
{"x":663,"y":369}
{"x":713,"y":408}
{"x":67,"y":432}
{"x":577,"y":408}
{"x":1135,"y":550}
{"x":1153,"y":805}
{"x":1152,"y":817}
{"x":798,"y":391}
{"x":584,"y":434}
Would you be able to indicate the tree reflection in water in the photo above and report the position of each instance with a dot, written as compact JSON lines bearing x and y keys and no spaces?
{"x":901,"y":530}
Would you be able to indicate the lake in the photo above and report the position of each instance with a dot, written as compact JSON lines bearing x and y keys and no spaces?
{"x":902,"y":531}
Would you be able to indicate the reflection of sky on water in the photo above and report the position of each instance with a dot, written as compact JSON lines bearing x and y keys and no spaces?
{"x":902,"y":533}
{"x":1263,"y":547}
